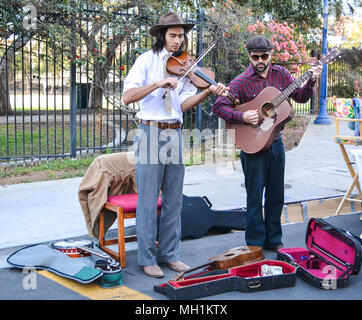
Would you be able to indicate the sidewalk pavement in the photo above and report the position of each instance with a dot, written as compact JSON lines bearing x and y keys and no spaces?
{"x":47,"y":211}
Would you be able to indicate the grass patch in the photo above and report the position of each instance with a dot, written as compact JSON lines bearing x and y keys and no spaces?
{"x":27,"y":139}
{"x":52,"y":170}
{"x":69,"y":166}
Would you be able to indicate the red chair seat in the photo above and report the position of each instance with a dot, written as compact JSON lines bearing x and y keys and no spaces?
{"x":128,"y":201}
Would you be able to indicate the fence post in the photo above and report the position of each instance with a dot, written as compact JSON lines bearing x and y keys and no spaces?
{"x":313,"y":98}
{"x":73,"y":107}
{"x":199,"y":51}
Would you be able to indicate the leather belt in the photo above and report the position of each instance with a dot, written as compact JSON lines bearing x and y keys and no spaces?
{"x":162,"y":125}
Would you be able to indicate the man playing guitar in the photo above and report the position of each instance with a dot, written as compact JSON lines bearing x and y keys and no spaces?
{"x":265,"y":169}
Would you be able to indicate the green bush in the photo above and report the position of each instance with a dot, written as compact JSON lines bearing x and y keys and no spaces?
{"x":344,"y":91}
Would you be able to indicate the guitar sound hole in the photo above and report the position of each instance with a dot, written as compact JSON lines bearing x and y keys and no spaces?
{"x":268,"y":110}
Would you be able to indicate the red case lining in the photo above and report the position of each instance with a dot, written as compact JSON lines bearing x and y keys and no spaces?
{"x":252,"y":270}
{"x":329,"y":241}
{"x":324,"y":268}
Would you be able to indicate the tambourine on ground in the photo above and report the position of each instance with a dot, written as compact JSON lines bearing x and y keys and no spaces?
{"x":112,"y":271}
{"x":72,"y":247}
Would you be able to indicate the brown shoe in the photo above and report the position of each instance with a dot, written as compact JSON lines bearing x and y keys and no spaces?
{"x":153,"y":271}
{"x":178,"y":266}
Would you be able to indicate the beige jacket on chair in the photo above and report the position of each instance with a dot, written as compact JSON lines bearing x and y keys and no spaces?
{"x":107,"y":175}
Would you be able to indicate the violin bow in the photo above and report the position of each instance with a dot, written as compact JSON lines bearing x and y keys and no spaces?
{"x":180,"y":275}
{"x":201,"y":56}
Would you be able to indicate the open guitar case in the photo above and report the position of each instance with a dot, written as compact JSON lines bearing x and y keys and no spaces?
{"x":198,"y":218}
{"x":247,"y":277}
{"x":242,"y":269}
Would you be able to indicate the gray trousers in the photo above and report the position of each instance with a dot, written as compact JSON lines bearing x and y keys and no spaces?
{"x":159,"y":167}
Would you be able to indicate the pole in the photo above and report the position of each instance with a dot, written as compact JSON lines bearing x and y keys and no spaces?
{"x":322,"y":117}
{"x":199,"y":51}
{"x":73,"y":108}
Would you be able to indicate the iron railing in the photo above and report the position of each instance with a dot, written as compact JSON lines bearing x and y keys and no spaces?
{"x":51,"y":112}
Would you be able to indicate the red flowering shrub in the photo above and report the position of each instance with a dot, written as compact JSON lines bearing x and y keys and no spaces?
{"x":289,"y":47}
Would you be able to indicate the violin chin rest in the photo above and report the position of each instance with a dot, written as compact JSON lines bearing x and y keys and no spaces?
{"x":177,"y":53}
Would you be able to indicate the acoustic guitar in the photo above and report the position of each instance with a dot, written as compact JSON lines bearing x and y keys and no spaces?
{"x":233,"y":257}
{"x":274,"y":111}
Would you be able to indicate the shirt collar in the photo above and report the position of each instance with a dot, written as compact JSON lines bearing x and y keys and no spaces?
{"x":162,"y":53}
{"x":250,"y":71}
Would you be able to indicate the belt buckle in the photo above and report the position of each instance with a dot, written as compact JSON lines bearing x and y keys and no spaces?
{"x":165,"y":125}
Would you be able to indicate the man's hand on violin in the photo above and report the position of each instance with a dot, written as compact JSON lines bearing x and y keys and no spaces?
{"x":169,"y":82}
{"x":219,"y":90}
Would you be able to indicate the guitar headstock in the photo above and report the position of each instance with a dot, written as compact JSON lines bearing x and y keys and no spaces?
{"x":331,"y":55}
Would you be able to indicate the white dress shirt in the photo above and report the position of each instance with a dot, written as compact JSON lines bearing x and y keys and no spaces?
{"x":148,"y":68}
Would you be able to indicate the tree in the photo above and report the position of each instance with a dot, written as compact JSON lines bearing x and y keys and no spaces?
{"x":10,"y":32}
{"x":303,"y":14}
{"x":91,"y":31}
{"x":66,"y":24}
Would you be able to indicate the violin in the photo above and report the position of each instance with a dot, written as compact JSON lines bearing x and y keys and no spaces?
{"x":182,"y":64}
{"x":179,"y":64}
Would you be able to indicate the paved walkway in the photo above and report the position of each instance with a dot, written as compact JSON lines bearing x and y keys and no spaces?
{"x":45,"y":211}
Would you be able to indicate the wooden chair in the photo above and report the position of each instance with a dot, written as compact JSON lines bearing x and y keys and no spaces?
{"x":124,"y":206}
{"x":343,"y":140}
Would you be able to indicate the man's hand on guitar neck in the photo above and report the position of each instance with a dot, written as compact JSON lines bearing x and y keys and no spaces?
{"x":316,"y":72}
{"x":251,"y":116}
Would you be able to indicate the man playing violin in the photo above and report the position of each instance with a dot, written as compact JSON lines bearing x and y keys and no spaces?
{"x":158,"y":144}
{"x":263,"y":171}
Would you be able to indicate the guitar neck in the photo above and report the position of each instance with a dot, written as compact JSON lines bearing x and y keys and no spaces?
{"x":181,"y":274}
{"x":289,"y":90}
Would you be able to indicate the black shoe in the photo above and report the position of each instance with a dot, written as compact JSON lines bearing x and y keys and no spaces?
{"x":275,"y":249}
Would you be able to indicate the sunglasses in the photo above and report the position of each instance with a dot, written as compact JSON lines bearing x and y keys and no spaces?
{"x":264,"y":56}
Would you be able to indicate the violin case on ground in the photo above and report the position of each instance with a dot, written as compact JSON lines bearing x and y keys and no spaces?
{"x":331,"y":256}
{"x":246,"y":278}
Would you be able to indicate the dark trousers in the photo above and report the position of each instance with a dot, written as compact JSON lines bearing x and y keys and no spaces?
{"x":264,"y":172}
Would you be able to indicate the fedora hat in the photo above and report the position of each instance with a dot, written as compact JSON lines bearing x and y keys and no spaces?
{"x":171,"y":19}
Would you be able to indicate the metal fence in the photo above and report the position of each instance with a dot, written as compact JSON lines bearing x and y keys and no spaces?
{"x":338,"y":75}
{"x":53,"y":108}
{"x":51,"y":97}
